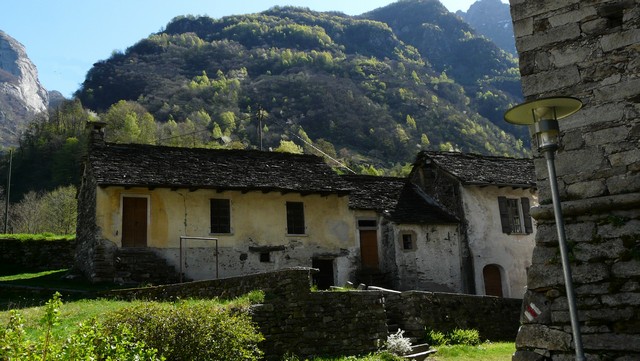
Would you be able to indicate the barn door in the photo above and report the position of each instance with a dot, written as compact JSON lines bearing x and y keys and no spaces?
{"x":134,"y":222}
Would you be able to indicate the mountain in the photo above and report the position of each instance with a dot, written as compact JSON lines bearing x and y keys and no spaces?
{"x":492,"y":18}
{"x":371,"y":89}
{"x":21,"y":94}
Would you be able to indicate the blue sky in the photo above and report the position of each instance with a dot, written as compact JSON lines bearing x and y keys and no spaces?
{"x":64,"y":38}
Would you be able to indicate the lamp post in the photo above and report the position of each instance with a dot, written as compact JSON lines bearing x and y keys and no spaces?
{"x":543,"y":114}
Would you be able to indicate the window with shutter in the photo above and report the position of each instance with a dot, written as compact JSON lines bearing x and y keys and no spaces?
{"x":514,"y":215}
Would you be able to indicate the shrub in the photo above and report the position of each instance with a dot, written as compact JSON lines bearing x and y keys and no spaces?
{"x":398,"y":344}
{"x":436,"y":338}
{"x":455,"y":337}
{"x":191,"y":331}
{"x":88,"y":342}
{"x":464,"y":337}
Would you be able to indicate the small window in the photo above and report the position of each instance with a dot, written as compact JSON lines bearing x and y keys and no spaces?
{"x":407,"y":241}
{"x":295,"y":218}
{"x":220,"y":216}
{"x":514,"y":215}
{"x":265,"y":257}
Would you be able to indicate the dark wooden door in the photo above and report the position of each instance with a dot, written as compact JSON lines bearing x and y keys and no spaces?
{"x":134,"y":222}
{"x":369,"y":248}
{"x":492,"y":280}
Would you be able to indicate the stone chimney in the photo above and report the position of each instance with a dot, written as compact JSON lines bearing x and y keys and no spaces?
{"x":97,"y":129}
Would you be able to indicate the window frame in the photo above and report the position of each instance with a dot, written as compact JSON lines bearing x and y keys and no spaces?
{"x":295,"y":218}
{"x":412,"y":241}
{"x":514,"y":215}
{"x":218,"y":220}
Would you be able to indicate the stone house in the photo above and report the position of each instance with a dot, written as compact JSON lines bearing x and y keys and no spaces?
{"x":158,"y":214}
{"x":407,"y":240}
{"x":248,"y":211}
{"x":491,"y":196}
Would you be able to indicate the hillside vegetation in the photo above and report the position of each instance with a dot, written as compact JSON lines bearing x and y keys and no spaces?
{"x":370,"y":90}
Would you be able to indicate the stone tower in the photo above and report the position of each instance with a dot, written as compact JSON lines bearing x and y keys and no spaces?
{"x":590,"y":50}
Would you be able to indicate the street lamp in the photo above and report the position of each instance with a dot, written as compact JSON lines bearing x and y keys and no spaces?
{"x":543,"y":114}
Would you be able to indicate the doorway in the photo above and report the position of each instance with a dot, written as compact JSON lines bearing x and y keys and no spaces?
{"x":323,"y":279}
{"x":492,"y":280}
{"x":134,"y":222}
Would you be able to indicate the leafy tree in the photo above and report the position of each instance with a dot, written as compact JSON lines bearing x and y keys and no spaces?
{"x":288,"y":146}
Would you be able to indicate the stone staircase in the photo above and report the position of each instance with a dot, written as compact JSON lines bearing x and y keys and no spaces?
{"x":136,"y":266}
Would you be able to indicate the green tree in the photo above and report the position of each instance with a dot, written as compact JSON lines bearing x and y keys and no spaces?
{"x":288,"y":146}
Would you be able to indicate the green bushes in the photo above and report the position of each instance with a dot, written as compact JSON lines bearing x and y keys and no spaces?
{"x":455,"y":337}
{"x":185,"y":330}
{"x":89,"y":342}
{"x":191,"y":330}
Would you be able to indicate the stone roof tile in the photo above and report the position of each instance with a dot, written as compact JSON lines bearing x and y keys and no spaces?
{"x":138,"y":165}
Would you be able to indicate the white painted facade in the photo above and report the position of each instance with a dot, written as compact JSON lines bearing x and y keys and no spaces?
{"x":489,"y":245}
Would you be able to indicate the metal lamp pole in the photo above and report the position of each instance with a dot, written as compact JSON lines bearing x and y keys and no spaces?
{"x":543,"y":114}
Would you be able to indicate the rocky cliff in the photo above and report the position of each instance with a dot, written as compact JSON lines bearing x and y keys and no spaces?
{"x":492,"y":19}
{"x":21,"y":94}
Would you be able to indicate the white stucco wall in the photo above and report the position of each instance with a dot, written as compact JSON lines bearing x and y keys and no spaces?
{"x":488,"y":245}
{"x":257,"y":220}
{"x":434,"y":263}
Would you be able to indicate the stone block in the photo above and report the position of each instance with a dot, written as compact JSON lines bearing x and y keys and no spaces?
{"x":595,"y":26}
{"x":580,"y":232}
{"x":575,"y":16}
{"x":544,"y":276}
{"x":566,"y":56}
{"x":590,"y":272}
{"x":543,"y":337}
{"x":620,"y":39}
{"x":586,"y":252}
{"x":553,"y":35}
{"x":525,"y":9}
{"x":621,"y":299}
{"x":625,"y":158}
{"x":617,"y":226}
{"x":526,"y":355}
{"x":624,"y":89}
{"x":571,"y":140}
{"x":586,"y":189}
{"x":592,"y":115}
{"x":523,"y":27}
{"x":613,"y":342}
{"x":626,"y":269}
{"x":550,"y":80}
{"x":625,"y":183}
{"x":578,"y":161}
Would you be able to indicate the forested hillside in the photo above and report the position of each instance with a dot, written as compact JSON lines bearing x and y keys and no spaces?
{"x":370,"y":90}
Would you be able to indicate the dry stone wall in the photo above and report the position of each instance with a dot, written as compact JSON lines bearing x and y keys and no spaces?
{"x":589,"y":50}
{"x":295,"y":320}
{"x":37,"y":254}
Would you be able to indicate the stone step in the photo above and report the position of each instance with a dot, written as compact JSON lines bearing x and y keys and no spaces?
{"x":420,"y":348}
{"x":419,"y":356}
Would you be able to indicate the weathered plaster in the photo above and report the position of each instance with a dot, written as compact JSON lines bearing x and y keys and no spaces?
{"x":258,"y":220}
{"x":488,"y":245}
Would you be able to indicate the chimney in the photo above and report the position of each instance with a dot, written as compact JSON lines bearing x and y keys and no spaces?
{"x":97,"y":132}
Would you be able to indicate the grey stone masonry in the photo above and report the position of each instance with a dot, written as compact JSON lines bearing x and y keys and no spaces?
{"x":589,"y":50}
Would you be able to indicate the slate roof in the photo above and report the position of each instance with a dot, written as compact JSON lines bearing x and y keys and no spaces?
{"x":137,"y":165}
{"x":397,"y":198}
{"x":475,"y":169}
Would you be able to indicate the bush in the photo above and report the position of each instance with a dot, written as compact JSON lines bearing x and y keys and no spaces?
{"x":455,"y":337}
{"x":191,"y":331}
{"x":464,"y":337}
{"x":88,"y":342}
{"x":398,"y":344}
{"x":436,"y":338}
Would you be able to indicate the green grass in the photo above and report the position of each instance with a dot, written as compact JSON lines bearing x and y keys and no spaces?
{"x":37,"y":237}
{"x":494,"y":351}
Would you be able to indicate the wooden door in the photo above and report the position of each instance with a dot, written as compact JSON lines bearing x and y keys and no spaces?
{"x":369,"y":248}
{"x":134,"y":222}
{"x":492,"y":280}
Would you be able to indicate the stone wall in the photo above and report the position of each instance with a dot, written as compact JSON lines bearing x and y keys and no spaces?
{"x":37,"y":254}
{"x":589,"y":50}
{"x":495,"y":318}
{"x":295,"y":320}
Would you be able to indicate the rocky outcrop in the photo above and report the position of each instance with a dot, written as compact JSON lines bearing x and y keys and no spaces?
{"x":492,"y":19}
{"x":21,"y":94}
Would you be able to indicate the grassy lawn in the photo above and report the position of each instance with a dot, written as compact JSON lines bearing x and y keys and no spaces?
{"x":494,"y":351}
